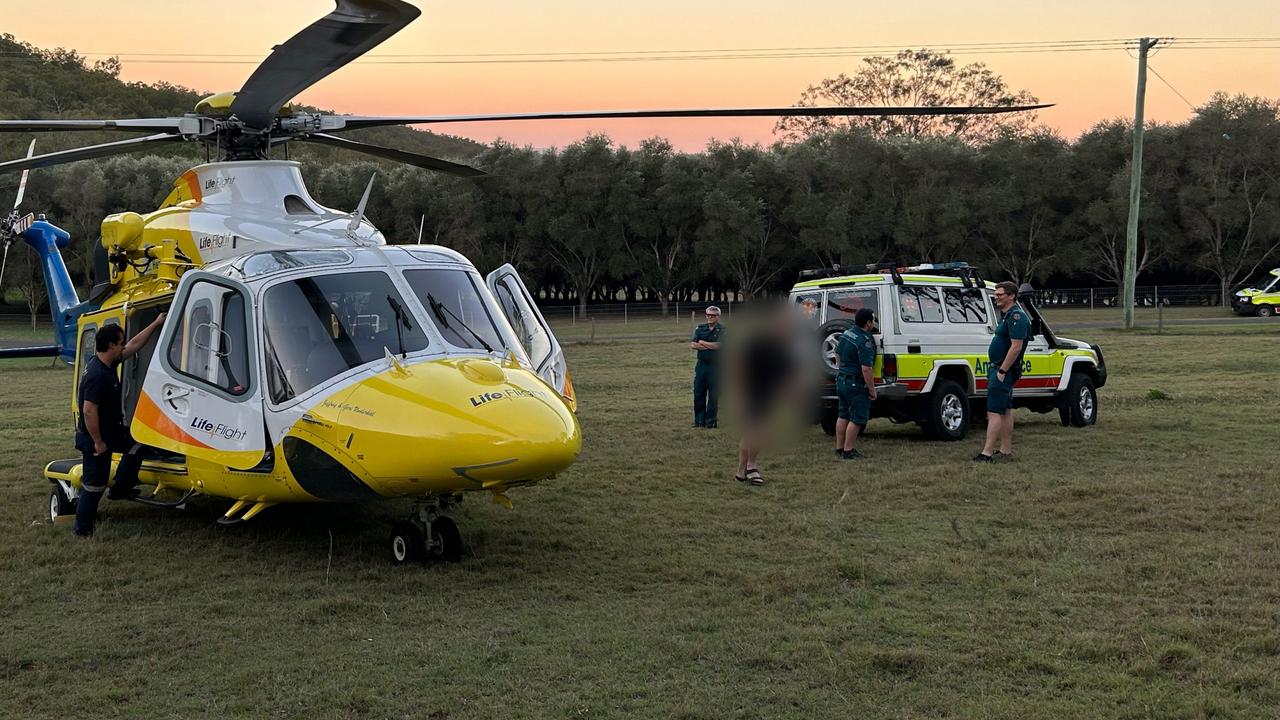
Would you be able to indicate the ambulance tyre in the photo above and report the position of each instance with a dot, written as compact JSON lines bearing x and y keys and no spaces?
{"x":1082,"y":400}
{"x":948,"y":412}
{"x":1265,"y":311}
{"x":827,"y":417}
{"x":828,"y":334}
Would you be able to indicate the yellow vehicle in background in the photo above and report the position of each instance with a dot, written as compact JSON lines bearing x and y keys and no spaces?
{"x":936,"y":322}
{"x":1261,"y":298}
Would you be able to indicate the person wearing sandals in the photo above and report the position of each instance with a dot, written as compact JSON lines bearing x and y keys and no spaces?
{"x":855,"y":386}
{"x":765,"y":369}
{"x":706,"y":381}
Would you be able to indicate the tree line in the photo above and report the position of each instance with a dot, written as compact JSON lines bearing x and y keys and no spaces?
{"x":596,"y":222}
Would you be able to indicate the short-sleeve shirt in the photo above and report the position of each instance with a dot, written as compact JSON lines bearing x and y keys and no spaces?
{"x":1015,"y":325}
{"x":856,"y":349}
{"x":100,"y":385}
{"x":708,"y":334}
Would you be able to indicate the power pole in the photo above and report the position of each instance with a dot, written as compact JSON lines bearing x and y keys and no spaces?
{"x":1135,"y":185}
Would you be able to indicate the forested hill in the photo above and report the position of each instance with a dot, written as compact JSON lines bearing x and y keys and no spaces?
{"x":38,"y":84}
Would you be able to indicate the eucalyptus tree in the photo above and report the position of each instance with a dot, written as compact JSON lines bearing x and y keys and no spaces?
{"x":1232,"y":185}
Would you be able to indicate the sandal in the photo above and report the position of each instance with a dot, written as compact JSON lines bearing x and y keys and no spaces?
{"x":754,"y":477}
{"x":739,"y":478}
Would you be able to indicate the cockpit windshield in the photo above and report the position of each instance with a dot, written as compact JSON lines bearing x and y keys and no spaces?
{"x":453,"y":302}
{"x":318,"y":327}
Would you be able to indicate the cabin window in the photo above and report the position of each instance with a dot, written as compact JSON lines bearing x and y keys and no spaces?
{"x":518,"y":307}
{"x":321,"y":326}
{"x":454,"y":304}
{"x":965,"y":305}
{"x":212,"y":341}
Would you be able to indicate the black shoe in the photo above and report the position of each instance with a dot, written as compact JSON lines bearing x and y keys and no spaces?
{"x":839,"y":454}
{"x":696,"y":424}
{"x":1002,"y":456}
{"x":982,"y":458}
{"x":710,"y":425}
{"x":850,"y":454}
{"x":123,"y":493}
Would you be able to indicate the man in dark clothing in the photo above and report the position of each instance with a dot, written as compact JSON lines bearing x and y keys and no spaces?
{"x":855,"y":383}
{"x":1004,"y":367}
{"x":101,"y":430}
{"x":706,"y":381}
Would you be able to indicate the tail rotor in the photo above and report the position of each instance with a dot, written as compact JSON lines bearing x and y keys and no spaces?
{"x":14,"y":225}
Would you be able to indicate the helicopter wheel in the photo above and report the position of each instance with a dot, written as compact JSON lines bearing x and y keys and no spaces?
{"x":407,"y":543}
{"x":446,"y":541}
{"x":59,"y":504}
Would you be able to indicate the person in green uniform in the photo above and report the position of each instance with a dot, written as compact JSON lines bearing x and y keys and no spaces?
{"x":1004,"y":367}
{"x":706,"y":381}
{"x":855,"y":386}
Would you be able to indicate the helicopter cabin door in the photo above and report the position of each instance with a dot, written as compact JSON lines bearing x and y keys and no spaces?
{"x":202,"y":395}
{"x":531,"y":327}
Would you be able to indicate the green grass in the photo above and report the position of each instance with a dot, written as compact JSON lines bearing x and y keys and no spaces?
{"x":1126,"y":570}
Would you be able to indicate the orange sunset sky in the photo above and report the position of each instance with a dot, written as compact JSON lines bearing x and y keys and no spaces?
{"x":215,"y":46}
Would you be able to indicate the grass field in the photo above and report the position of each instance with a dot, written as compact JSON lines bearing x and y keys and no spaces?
{"x":1126,"y":570}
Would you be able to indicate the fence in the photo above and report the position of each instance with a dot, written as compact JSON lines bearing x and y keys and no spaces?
{"x":691,"y":312}
{"x":1080,"y":298}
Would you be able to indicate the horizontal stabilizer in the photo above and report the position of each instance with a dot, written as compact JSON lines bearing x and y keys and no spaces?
{"x":30,"y":352}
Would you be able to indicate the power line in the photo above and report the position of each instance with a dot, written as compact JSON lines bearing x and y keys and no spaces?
{"x":1170,"y":86}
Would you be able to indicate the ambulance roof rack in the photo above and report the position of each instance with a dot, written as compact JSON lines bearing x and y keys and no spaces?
{"x":968,"y":274}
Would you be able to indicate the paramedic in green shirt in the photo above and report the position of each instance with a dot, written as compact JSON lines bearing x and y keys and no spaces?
{"x":706,"y":381}
{"x":1008,"y":345}
{"x":855,"y":383}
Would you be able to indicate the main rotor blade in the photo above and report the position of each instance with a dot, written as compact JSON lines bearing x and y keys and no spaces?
{"x":422,"y":161}
{"x":84,"y":153}
{"x":351,"y":30}
{"x":354,"y":122}
{"x":133,"y":125}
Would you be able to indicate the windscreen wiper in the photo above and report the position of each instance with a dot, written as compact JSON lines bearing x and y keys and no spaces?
{"x":439,"y":309}
{"x":402,"y":318}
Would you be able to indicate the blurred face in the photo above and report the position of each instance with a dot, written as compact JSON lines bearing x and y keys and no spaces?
{"x":713,"y":318}
{"x":115,"y":351}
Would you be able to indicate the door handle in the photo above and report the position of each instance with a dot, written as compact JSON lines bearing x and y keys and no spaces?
{"x":173,"y":394}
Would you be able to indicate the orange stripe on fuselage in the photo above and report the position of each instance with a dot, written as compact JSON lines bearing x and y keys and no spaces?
{"x":150,"y":414}
{"x":193,"y":185}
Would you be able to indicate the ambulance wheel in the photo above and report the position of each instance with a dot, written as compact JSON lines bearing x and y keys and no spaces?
{"x":59,"y":504}
{"x":407,"y":543}
{"x":828,"y":335}
{"x":828,"y":419}
{"x":446,"y":541}
{"x":1082,"y":400}
{"x":948,"y":412}
{"x":1265,"y":311}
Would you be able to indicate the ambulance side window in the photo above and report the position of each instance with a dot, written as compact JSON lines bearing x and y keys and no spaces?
{"x":919,"y":304}
{"x":87,"y":347}
{"x":965,"y":305}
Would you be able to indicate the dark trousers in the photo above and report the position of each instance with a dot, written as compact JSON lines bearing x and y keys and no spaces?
{"x":706,"y":394}
{"x":95,"y":471}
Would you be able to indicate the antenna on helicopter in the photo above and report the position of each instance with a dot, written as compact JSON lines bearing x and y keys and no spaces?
{"x":13,"y":225}
{"x":358,"y":216}
{"x":421,"y":224}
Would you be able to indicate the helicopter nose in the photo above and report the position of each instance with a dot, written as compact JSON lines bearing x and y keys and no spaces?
{"x":449,"y":424}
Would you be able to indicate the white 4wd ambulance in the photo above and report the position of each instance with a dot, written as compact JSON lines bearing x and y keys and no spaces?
{"x":935,"y":324}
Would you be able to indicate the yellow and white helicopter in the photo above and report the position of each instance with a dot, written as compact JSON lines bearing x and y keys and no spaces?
{"x":305,"y":359}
